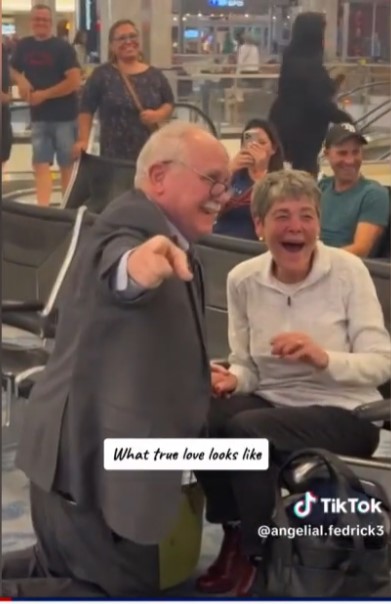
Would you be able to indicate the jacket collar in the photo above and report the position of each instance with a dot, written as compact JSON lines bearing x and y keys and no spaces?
{"x":180,"y":240}
{"x":320,"y":268}
{"x":173,"y":231}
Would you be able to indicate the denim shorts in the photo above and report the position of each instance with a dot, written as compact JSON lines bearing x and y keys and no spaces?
{"x":51,"y":139}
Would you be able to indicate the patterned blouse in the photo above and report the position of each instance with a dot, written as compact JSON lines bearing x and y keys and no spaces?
{"x":122,"y":134}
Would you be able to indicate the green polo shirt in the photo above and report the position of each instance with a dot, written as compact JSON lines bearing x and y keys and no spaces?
{"x":341,"y":212}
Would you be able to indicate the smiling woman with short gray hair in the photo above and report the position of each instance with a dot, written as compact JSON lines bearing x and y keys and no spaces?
{"x":308,"y":345}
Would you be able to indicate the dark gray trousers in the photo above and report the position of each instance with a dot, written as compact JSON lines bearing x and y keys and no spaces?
{"x":77,"y":555}
{"x":249,"y":496}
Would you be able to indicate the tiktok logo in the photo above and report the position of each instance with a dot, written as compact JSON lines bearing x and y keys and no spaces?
{"x":303,"y":508}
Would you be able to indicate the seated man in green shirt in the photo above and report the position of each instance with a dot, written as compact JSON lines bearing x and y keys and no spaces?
{"x":355,"y":211}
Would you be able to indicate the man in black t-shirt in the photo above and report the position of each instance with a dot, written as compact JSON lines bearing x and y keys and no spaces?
{"x":47,"y":73}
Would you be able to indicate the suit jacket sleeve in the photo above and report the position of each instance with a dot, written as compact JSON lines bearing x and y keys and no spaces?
{"x":126,"y":224}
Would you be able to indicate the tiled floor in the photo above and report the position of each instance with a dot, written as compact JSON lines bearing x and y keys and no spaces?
{"x":17,"y":531}
{"x":16,"y":525}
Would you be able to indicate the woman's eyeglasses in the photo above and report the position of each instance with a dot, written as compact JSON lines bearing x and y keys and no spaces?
{"x":127,"y":38}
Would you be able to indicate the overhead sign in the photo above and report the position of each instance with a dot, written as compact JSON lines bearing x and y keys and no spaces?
{"x":238,"y":7}
{"x":226,"y":3}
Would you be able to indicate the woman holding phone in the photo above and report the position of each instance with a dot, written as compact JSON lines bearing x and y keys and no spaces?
{"x":260,"y":153}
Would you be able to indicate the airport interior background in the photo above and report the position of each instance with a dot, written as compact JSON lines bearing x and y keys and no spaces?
{"x":195,"y":44}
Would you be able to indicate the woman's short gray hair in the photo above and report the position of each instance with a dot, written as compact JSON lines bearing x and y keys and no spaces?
{"x":281,"y":185}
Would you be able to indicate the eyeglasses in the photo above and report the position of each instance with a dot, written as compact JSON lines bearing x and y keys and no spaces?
{"x":217,"y":188}
{"x":127,"y":38}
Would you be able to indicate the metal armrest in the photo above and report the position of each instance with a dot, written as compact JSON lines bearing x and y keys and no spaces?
{"x":18,"y":385}
{"x":21,"y":306}
{"x":375,"y":412}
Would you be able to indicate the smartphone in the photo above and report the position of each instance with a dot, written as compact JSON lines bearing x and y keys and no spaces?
{"x":250,"y":136}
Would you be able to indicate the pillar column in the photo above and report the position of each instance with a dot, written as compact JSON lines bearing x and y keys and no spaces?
{"x":50,"y":3}
{"x":160,"y":43}
{"x":153,"y":19}
{"x":330,"y":9}
{"x":111,"y":11}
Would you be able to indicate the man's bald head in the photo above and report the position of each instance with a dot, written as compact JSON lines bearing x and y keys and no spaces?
{"x":185,"y":170}
{"x":176,"y":140}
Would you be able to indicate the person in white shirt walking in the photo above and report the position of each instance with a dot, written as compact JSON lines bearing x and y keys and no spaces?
{"x":308,"y":345}
{"x":248,"y":56}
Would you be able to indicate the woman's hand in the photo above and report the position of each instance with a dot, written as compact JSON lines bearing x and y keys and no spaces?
{"x":259,"y":155}
{"x":296,"y":346}
{"x":223,"y":381}
{"x":242,"y":160}
{"x":149,"y":117}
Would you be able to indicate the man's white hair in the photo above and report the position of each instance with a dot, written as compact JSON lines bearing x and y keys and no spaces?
{"x":169,"y":143}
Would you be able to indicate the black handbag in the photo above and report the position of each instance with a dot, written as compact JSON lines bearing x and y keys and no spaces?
{"x":326,"y":561}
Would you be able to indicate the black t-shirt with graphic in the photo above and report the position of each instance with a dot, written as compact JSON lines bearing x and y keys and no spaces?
{"x":44,"y":63}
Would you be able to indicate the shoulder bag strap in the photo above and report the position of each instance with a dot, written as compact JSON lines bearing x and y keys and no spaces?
{"x":131,"y":90}
{"x":134,"y":96}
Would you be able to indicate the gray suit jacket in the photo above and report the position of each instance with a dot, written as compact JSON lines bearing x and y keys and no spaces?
{"x":119,"y":369}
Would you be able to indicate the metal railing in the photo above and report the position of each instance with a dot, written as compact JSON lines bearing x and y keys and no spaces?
{"x":362,"y":87}
{"x":194,"y":114}
{"x":181,"y":110}
{"x":11,"y":179}
{"x":374,"y":110}
{"x":376,"y":119}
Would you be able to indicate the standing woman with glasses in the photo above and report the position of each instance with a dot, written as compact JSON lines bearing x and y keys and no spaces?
{"x":132,"y":98}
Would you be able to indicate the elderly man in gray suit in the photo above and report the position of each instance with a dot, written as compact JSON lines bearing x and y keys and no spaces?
{"x":129,"y":361}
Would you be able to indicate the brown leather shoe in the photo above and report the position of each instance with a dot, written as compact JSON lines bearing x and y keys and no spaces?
{"x":220,"y":577}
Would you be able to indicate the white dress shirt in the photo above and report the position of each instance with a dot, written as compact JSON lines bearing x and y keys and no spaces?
{"x":124,"y":284}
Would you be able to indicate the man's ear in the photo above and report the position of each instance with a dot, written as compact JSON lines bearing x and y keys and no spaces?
{"x":157,"y":173}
